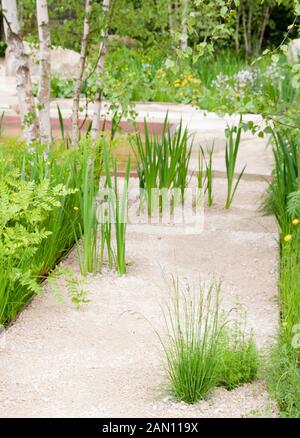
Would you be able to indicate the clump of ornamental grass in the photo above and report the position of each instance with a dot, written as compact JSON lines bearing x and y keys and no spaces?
{"x":202,"y":349}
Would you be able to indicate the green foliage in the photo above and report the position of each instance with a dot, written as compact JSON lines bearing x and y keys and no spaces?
{"x":284,"y":373}
{"x":25,"y":208}
{"x":193,"y":327}
{"x":284,"y":379}
{"x":162,"y":161}
{"x":208,"y":161}
{"x":89,"y":177}
{"x":40,"y":218}
{"x":281,"y":198}
{"x":76,"y":294}
{"x":233,"y":135}
{"x":200,"y":348}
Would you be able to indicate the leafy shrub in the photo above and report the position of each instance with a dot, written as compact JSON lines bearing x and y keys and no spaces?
{"x":284,"y":378}
{"x":238,"y":359}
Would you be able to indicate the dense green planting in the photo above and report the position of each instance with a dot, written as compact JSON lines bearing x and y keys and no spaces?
{"x":202,"y":348}
{"x":283,"y":201}
{"x":37,"y":223}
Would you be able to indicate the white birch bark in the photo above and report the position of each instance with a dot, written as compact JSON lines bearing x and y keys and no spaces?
{"x":22,"y":70}
{"x":184,"y":30}
{"x":45,"y":71}
{"x":100,"y":67}
{"x":171,"y":20}
{"x":83,"y":53}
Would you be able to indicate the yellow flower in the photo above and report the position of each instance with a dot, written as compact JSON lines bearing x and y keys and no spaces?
{"x":284,"y":324}
{"x":185,"y":82}
{"x":287,"y":238}
{"x":75,"y":208}
{"x":296,"y":222}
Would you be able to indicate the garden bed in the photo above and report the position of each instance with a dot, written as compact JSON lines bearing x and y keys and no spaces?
{"x":105,"y":359}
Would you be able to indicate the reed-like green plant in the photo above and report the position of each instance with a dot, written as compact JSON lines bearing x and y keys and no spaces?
{"x":118,"y":208}
{"x":233,"y":139}
{"x":163,"y":161}
{"x":89,"y":180}
{"x":209,"y":175}
{"x":194,"y":326}
{"x":1,"y":122}
{"x":201,"y":177}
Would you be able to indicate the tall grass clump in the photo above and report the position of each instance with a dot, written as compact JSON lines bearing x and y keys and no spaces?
{"x":162,"y":161}
{"x":200,"y":348}
{"x":88,"y":182}
{"x":233,"y":135}
{"x":118,"y":209}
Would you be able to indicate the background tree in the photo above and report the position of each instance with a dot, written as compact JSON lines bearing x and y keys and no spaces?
{"x":78,"y":82}
{"x":23,"y":77}
{"x":99,"y":71}
{"x":45,"y":71}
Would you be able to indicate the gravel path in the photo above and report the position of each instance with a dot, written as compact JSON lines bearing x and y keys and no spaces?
{"x":105,"y":359}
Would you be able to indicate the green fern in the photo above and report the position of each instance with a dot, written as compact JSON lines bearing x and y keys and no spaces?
{"x":293,"y":204}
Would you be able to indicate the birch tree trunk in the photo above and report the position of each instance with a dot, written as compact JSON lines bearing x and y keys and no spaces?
{"x":22,"y":70}
{"x":184,"y":31}
{"x":264,"y":25}
{"x":45,"y":71}
{"x":83,"y":53}
{"x":99,"y":70}
{"x":171,"y":20}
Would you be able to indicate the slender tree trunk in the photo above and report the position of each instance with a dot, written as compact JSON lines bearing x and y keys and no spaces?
{"x":99,"y":70}
{"x":78,"y":83}
{"x":263,"y":29}
{"x":246,"y":42}
{"x":184,"y":31}
{"x":249,"y":30}
{"x":237,"y":30}
{"x":23,"y":77}
{"x":45,"y":71}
